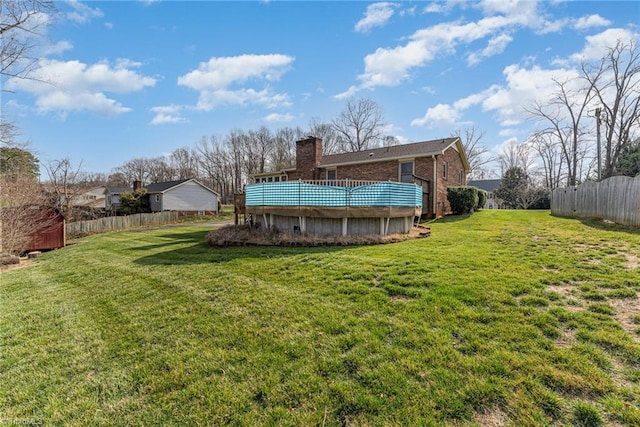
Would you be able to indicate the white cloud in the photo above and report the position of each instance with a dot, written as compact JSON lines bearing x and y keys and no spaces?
{"x":599,"y":44}
{"x":215,"y":80}
{"x":168,"y":114}
{"x":75,"y":86}
{"x":58,"y":48}
{"x":377,"y":15}
{"x":82,"y":13}
{"x":496,"y":46}
{"x":221,"y":72}
{"x":438,"y":116}
{"x":590,"y":21}
{"x":279,"y":118}
{"x":108,"y":25}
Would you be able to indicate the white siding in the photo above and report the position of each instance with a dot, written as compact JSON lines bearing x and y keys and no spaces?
{"x":189,"y":196}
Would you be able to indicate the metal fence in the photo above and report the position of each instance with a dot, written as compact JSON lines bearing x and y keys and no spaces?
{"x":616,"y":199}
{"x":343,"y":193}
{"x":115,"y":223}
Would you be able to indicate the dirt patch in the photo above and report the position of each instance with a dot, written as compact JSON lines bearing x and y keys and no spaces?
{"x":23,"y":263}
{"x":493,"y":418}
{"x":566,"y":338}
{"x":632,"y":262}
{"x":626,"y":310}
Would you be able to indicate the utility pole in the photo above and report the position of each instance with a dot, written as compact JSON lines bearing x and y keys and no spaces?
{"x":598,"y":111}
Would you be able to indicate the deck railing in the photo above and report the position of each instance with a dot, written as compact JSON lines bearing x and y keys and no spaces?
{"x":334,"y":193}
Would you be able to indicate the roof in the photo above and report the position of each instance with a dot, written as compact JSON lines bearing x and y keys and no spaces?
{"x":161,"y":187}
{"x":486,"y":184}
{"x":416,"y":149}
{"x":118,"y":190}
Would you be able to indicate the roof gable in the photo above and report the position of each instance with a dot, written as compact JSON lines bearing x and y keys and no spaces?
{"x":161,"y":187}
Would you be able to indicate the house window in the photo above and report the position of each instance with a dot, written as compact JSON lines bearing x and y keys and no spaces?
{"x":283,"y":178}
{"x":276,"y":179}
{"x":157,"y":197}
{"x":406,"y":171}
{"x":331,"y":174}
{"x":445,"y":166}
{"x":270,"y":179}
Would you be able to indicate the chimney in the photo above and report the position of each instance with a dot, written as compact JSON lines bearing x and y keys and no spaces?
{"x":308,"y":156}
{"x":137,"y":185}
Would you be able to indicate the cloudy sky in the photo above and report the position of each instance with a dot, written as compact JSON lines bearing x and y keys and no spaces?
{"x":127,"y":79}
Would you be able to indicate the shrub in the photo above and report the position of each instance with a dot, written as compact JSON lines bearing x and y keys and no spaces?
{"x":462,"y":199}
{"x":482,"y":199}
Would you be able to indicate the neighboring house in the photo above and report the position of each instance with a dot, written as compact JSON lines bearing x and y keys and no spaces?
{"x":187,"y":195}
{"x":433,"y":165}
{"x":112,"y":197}
{"x":93,"y":198}
{"x":490,"y":186}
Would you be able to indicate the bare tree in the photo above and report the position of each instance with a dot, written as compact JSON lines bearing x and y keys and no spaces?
{"x":549,"y":151}
{"x":331,"y":142}
{"x":477,"y":154}
{"x":360,"y":125}
{"x":64,"y":185}
{"x":183,"y":163}
{"x":616,"y":82}
{"x":284,"y":147}
{"x":563,"y":115}
{"x":22,"y":25}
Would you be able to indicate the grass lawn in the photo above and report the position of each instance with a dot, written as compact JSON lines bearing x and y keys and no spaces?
{"x":501,"y":318}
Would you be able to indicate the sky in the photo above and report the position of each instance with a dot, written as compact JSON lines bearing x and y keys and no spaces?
{"x":129,"y":79}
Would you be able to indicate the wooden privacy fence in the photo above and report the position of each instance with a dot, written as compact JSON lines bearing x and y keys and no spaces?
{"x":114,"y":223}
{"x":616,"y":199}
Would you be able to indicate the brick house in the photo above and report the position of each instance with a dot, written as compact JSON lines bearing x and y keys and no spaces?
{"x":433,"y":165}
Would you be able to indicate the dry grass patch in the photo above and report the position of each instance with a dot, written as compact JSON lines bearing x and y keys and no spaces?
{"x":493,"y":418}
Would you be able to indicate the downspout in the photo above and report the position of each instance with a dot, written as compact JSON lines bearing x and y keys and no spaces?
{"x":435,"y":185}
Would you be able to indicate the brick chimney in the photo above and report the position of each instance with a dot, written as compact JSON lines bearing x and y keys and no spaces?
{"x":308,"y":156}
{"x":137,"y":185}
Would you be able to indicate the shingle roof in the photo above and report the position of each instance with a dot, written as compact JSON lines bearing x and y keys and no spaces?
{"x":416,"y":149}
{"x":486,"y":184}
{"x":118,"y":190}
{"x":159,"y":187}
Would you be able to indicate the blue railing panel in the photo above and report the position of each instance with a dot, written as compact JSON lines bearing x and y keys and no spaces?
{"x":298,"y":193}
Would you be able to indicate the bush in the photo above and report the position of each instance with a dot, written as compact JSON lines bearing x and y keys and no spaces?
{"x":462,"y":199}
{"x":482,"y":199}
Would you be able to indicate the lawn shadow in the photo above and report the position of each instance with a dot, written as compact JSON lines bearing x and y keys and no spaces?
{"x":451,"y":218}
{"x":201,"y":253}
{"x":605,"y":225}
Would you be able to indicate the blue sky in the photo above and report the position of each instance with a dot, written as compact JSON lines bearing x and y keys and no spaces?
{"x":134,"y":79}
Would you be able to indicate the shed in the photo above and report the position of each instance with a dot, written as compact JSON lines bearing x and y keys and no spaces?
{"x":50,"y":230}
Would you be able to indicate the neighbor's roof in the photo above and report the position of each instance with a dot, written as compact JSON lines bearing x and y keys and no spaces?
{"x":118,"y":190}
{"x":161,"y":187}
{"x":416,"y":149}
{"x":486,"y":184}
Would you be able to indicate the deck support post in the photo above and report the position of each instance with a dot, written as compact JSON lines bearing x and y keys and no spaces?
{"x":345,"y":222}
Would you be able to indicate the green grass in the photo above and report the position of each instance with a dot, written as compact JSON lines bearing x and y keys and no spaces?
{"x":505,"y":314}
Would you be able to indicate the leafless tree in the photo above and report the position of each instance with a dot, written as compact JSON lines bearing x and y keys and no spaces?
{"x":183,"y":163}
{"x":64,"y":185}
{"x":616,"y":83}
{"x":549,"y":151}
{"x":360,"y":125}
{"x":563,"y":116}
{"x":516,"y":156}
{"x":331,"y":142}
{"x":477,"y":154}
{"x":261,"y":147}
{"x":284,"y":147}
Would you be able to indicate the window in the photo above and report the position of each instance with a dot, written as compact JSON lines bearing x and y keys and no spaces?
{"x":157,"y":197}
{"x":406,"y":171}
{"x":331,"y":174}
{"x":276,"y":179}
{"x":270,"y":179}
{"x":283,"y":178}
{"x":444,"y":170}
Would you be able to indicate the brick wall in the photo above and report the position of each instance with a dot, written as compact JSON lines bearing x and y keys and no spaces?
{"x":308,"y":155}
